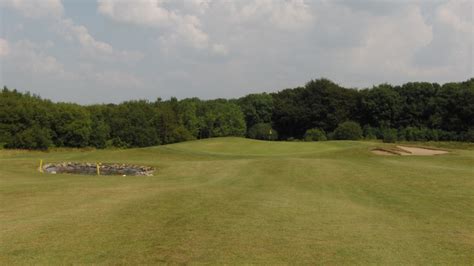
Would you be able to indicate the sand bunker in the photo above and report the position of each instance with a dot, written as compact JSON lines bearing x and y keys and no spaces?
{"x":408,"y":151}
{"x":100,"y":169}
{"x":420,"y":151}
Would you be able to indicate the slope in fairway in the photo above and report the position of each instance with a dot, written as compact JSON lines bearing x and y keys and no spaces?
{"x":233,"y":200}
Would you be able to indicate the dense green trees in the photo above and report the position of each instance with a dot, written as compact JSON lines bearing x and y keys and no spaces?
{"x":25,"y":120}
{"x":29,"y":122}
{"x":416,"y":111}
{"x":390,"y":135}
{"x":348,"y":130}
{"x":72,"y":125}
{"x":320,"y":104}
{"x":221,"y":118}
{"x":381,"y":106}
{"x":315,"y":134}
{"x":34,"y":137}
{"x":100,"y":129}
{"x":263,"y":131}
{"x":257,"y":108}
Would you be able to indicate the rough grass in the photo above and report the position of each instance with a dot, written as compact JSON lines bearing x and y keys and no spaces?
{"x":237,"y":201}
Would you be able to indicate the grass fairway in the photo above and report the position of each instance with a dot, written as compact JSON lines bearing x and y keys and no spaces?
{"x":233,"y":200}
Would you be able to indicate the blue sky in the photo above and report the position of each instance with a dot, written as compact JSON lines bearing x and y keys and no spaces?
{"x":93,"y":51}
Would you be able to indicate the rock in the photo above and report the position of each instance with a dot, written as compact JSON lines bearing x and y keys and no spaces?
{"x":105,"y":169}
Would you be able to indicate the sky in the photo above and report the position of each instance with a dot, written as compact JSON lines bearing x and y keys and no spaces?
{"x":108,"y":51}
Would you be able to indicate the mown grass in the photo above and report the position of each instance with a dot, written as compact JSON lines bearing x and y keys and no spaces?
{"x":237,"y":201}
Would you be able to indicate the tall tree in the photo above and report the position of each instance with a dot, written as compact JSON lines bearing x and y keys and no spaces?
{"x":381,"y":106}
{"x":257,"y":108}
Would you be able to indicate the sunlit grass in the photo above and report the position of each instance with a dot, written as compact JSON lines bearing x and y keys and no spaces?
{"x":233,"y":200}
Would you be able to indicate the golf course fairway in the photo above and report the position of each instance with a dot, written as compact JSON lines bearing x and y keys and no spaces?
{"x":241,"y":201}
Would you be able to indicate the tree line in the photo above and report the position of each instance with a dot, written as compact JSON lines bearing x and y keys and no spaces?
{"x":320,"y":110}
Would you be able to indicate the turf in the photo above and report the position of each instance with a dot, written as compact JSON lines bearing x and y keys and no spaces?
{"x":239,"y":201}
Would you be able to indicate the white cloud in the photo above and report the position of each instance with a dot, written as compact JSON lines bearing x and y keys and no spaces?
{"x":54,"y":9}
{"x":110,"y":79}
{"x":181,"y":20}
{"x":27,"y":65}
{"x":452,"y":47}
{"x":141,"y":12}
{"x":454,"y":24}
{"x":184,"y":28}
{"x":91,"y":46}
{"x":200,"y":5}
{"x":458,"y":14}
{"x":286,"y":15}
{"x":388,"y":46}
{"x":36,"y":8}
{"x":4,"y":47}
{"x":220,"y":49}
{"x":186,"y":33}
{"x":242,"y":43}
{"x":72,"y":31}
{"x":117,"y":79}
{"x":29,"y":59}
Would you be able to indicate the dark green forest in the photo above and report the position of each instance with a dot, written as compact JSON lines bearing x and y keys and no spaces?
{"x":321,"y":110}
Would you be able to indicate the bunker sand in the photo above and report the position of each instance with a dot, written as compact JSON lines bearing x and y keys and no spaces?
{"x":420,"y":151}
{"x":408,"y":151}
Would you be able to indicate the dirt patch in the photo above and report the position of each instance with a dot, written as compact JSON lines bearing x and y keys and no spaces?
{"x":98,"y":169}
{"x":421,"y":151}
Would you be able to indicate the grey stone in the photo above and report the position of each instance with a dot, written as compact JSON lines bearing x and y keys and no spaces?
{"x":105,"y":169}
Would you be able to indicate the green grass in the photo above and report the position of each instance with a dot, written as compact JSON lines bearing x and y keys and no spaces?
{"x":240,"y":201}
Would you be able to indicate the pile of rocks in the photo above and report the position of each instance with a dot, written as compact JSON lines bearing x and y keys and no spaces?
{"x":104,"y":169}
{"x":126,"y":169}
